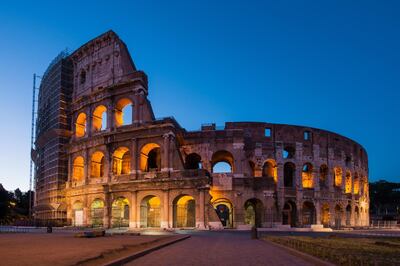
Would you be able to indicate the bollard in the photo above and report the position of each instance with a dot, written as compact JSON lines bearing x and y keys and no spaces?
{"x":254,"y":233}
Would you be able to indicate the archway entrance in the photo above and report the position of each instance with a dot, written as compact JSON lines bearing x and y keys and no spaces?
{"x":184,"y":211}
{"x":308,"y":213}
{"x":150,"y":212}
{"x":120,"y":212}
{"x":325,"y":215}
{"x":97,"y":212}
{"x":289,"y":214}
{"x":224,"y":210}
{"x":253,"y":212}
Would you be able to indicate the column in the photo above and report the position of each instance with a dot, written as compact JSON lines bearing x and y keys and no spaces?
{"x":165,"y":213}
{"x":132,"y":213}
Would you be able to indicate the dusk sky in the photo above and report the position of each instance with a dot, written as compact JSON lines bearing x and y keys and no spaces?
{"x":333,"y":65}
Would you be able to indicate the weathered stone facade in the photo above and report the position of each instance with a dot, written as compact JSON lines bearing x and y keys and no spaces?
{"x":139,"y":171}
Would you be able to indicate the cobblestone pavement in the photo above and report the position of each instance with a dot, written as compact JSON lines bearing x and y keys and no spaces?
{"x":220,"y":248}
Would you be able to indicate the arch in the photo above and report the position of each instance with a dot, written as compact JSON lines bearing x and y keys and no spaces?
{"x":97,"y":164}
{"x":121,"y":161}
{"x":356,"y":184}
{"x":193,"y":161}
{"x":99,"y":121}
{"x":184,"y":211}
{"x":77,"y":209}
{"x":338,"y":216}
{"x":150,"y":157}
{"x":308,"y":213}
{"x":224,"y":210}
{"x":289,"y":213}
{"x":80,"y":125}
{"x":222,"y":162}
{"x":348,"y":184}
{"x":150,"y":212}
{"x":123,"y":112}
{"x":270,"y":169}
{"x":323,"y":176}
{"x":254,"y":212}
{"x":120,"y":212}
{"x":307,"y":176}
{"x":78,"y":169}
{"x":337,"y":173}
{"x":97,"y":212}
{"x":348,"y":215}
{"x":289,"y":170}
{"x":325,"y":215}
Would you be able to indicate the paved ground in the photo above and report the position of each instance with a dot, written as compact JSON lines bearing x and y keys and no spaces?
{"x":220,"y":248}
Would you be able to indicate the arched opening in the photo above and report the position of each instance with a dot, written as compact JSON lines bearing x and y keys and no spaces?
{"x":99,"y":118}
{"x":121,"y":161}
{"x":289,"y":170}
{"x":356,"y":185}
{"x":78,"y":169}
{"x":348,"y":185}
{"x":270,"y":170}
{"x":150,"y":212}
{"x":97,"y":212}
{"x":323,"y":176}
{"x":193,"y":161}
{"x":348,"y":215}
{"x":307,"y":176}
{"x":222,"y":162}
{"x":308,"y":213}
{"x":288,"y":152}
{"x":325,"y":215}
{"x":224,"y":209}
{"x":289,"y":214}
{"x":97,"y":164}
{"x":337,"y":172}
{"x":80,"y":125}
{"x":77,"y":209}
{"x":123,"y":112}
{"x":150,"y":158}
{"x":254,"y":212}
{"x":357,"y":216}
{"x":338,"y":216}
{"x":184,"y":212}
{"x":120,"y":212}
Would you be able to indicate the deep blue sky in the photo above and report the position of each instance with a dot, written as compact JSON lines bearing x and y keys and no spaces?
{"x":327,"y":64}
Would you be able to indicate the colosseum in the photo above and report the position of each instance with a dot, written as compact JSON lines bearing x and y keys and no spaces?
{"x":125,"y":168}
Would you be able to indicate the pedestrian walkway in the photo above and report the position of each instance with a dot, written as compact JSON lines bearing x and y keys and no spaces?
{"x":220,"y":248}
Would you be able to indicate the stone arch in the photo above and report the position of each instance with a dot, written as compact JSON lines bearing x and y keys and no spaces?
{"x":222,"y":162}
{"x":184,"y":211}
{"x":308,"y":213}
{"x":307,"y":176}
{"x":80,"y":125}
{"x":123,"y":112}
{"x":121,"y":161}
{"x":254,"y":212}
{"x":150,"y":211}
{"x":323,"y":176}
{"x":99,"y":120}
{"x":289,"y":213}
{"x":97,"y":164}
{"x":289,"y":170}
{"x":150,"y":157}
{"x":224,"y":209}
{"x":193,"y":161}
{"x":270,"y":170}
{"x":97,"y":212}
{"x":78,"y":167}
{"x":120,"y":212}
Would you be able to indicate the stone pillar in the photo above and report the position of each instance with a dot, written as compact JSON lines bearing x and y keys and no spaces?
{"x":133,"y":223}
{"x":200,"y":221}
{"x":165,"y":212}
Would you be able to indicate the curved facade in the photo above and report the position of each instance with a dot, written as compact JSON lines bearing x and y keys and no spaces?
{"x":127,"y":168}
